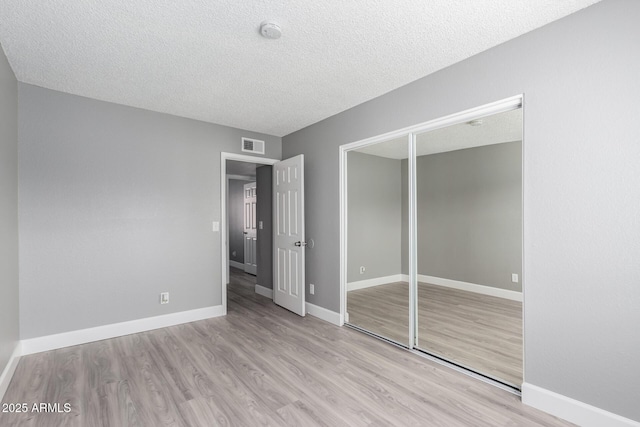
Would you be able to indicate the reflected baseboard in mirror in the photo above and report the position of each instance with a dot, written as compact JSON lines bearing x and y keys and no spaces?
{"x":480,"y":332}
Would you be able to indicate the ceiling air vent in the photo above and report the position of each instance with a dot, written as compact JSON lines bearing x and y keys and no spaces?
{"x":253,"y":146}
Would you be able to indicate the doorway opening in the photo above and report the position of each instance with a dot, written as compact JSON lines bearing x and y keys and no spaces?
{"x":241,"y":219}
{"x":246,"y":226}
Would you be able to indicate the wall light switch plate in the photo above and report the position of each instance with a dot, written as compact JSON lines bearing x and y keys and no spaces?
{"x":215,"y":226}
{"x":312,"y":288}
{"x":514,"y":278}
{"x":260,"y":225}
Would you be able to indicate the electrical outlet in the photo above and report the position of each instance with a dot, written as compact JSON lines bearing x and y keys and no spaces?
{"x":362,"y":269}
{"x":312,"y":288}
{"x":514,"y":278}
{"x":164,"y":298}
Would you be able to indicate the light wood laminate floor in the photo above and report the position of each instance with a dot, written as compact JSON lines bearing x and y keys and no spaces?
{"x":259,"y":365}
{"x":481,"y":332}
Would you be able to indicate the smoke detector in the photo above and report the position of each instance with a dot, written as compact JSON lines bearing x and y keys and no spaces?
{"x":270,"y":30}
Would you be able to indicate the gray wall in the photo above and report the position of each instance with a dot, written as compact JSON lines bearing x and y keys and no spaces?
{"x":265,"y":235}
{"x":581,"y":190}
{"x":9,"y":327}
{"x":116,"y":205}
{"x":236,"y":220}
{"x":374,"y":210}
{"x":470,"y":215}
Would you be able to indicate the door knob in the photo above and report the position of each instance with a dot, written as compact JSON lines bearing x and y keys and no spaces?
{"x":301,"y":243}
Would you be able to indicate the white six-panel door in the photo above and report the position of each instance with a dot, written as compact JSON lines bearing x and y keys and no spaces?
{"x":250,"y":231}
{"x":289,"y":244}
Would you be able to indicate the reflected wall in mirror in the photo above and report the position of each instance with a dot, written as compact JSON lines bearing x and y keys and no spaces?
{"x":377,"y":292}
{"x":469,"y":247}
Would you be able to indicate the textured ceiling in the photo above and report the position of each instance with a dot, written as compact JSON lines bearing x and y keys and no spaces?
{"x":206,"y":59}
{"x":495,"y":129}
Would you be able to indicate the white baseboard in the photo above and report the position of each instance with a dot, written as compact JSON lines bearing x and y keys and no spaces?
{"x":572,"y":410}
{"x":324,"y":314}
{"x":236,"y":264}
{"x":82,"y":336}
{"x":7,"y":373}
{"x":265,"y":292}
{"x":376,"y":281}
{"x":472,"y":287}
{"x":455,"y":284}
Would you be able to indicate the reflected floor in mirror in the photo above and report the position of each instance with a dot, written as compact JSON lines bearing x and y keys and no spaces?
{"x":481,"y":332}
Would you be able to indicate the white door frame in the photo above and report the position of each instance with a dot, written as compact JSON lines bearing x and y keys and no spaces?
{"x":452,"y":119}
{"x":224,"y":227}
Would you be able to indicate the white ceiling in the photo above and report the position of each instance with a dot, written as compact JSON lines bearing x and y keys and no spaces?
{"x":206,"y":59}
{"x":494,"y":129}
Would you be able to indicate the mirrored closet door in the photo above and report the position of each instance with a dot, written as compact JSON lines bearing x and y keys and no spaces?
{"x":377,"y":213}
{"x":469,"y":244}
{"x":433,"y":239}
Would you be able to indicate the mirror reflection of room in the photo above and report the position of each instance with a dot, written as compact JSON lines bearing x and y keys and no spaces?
{"x":469,"y":243}
{"x":378,"y":293}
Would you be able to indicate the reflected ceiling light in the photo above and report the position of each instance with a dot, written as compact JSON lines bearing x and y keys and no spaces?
{"x":270,"y":30}
{"x":476,"y":122}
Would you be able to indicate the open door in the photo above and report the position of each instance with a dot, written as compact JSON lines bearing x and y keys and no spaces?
{"x":289,"y":244}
